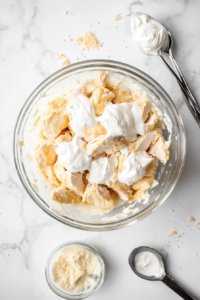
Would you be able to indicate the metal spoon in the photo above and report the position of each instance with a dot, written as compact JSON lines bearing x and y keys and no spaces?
{"x":190,"y":99}
{"x":162,"y":275}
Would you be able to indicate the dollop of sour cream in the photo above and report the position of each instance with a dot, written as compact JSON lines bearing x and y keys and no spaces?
{"x":122,"y":119}
{"x":147,"y":263}
{"x":149,"y":34}
{"x":73,"y":156}
{"x":134,"y":167}
{"x":101,"y":170}
{"x":81,"y":111}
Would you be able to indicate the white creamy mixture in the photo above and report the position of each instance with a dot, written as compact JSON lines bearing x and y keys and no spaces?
{"x":73,"y":156}
{"x":81,"y":111}
{"x":135,"y":167}
{"x":122,"y":119}
{"x":149,"y":34}
{"x":147,"y":263}
{"x":101,"y":170}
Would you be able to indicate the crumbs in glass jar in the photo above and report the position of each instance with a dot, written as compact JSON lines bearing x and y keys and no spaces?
{"x":77,"y":269}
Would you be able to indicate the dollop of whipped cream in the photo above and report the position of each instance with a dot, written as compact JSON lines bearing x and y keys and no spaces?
{"x":101,"y":170}
{"x":138,"y":121}
{"x":73,"y":156}
{"x":149,"y":34}
{"x":82,"y":111}
{"x":134,"y":167}
{"x":122,"y":119}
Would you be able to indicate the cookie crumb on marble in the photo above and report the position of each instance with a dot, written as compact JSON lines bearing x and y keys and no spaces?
{"x":79,"y":40}
{"x":173,"y":232}
{"x":177,"y":236}
{"x":117,"y":17}
{"x":191,"y":219}
{"x":65,"y":63}
{"x":89,"y":41}
{"x":62,"y":55}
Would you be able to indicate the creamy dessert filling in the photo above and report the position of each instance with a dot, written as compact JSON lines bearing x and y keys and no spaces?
{"x":150,"y":35}
{"x":101,"y":138}
{"x":134,"y":167}
{"x":81,"y":111}
{"x":101,"y":170}
{"x":73,"y":156}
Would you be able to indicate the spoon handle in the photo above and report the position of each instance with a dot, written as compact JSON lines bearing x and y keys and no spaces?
{"x":190,"y":100}
{"x":177,"y":289}
{"x":180,"y":74}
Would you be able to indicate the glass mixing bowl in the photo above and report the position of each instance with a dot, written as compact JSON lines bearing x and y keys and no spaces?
{"x":166,"y":175}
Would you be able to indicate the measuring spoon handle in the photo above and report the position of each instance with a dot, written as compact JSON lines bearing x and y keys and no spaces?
{"x":176,"y":288}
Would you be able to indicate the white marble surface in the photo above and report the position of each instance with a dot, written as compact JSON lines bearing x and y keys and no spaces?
{"x":31,"y":32}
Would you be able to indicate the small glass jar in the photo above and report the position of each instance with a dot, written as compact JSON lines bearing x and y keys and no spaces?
{"x":66,"y":294}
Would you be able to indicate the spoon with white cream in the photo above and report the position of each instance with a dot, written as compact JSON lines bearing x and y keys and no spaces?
{"x":148,"y":264}
{"x":154,"y":39}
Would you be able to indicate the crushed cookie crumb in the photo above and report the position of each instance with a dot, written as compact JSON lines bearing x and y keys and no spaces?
{"x":197,"y":224}
{"x":21,"y":143}
{"x":36,"y":187}
{"x":177,"y":236}
{"x":66,"y":12}
{"x":62,"y":55}
{"x":117,"y":17}
{"x":65,"y":63}
{"x":90,"y":41}
{"x":172,"y":232}
{"x":79,"y":40}
{"x":191,"y":219}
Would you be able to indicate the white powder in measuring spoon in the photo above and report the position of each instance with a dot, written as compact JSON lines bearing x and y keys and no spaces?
{"x":147,"y":263}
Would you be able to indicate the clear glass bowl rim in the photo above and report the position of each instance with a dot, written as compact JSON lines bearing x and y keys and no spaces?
{"x":81,"y":66}
{"x":62,"y":293}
